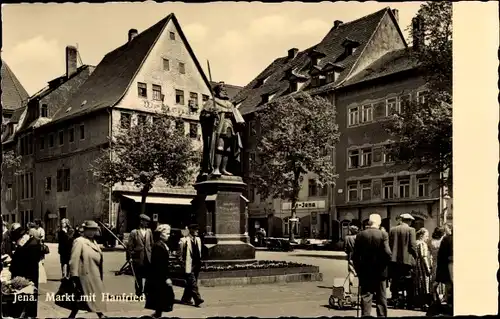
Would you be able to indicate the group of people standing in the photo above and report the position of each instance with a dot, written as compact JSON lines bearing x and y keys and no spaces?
{"x":150,"y":259}
{"x":418,"y":268}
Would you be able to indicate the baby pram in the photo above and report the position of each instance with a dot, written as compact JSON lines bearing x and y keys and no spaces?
{"x":342,"y":298}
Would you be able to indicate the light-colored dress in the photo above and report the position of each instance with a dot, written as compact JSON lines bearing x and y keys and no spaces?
{"x":433,"y":249}
{"x":39,"y":233}
{"x":422,"y":279}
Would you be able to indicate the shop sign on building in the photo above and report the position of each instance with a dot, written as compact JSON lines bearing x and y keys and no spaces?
{"x":304,"y":205}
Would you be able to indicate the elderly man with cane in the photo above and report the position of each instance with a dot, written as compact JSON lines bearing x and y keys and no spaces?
{"x":139,"y":247}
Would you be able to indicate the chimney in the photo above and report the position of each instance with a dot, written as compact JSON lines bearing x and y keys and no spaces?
{"x":417,"y":32}
{"x":132,"y":33}
{"x":292,"y":53}
{"x":71,"y":60}
{"x":337,"y":23}
{"x":395,"y":13}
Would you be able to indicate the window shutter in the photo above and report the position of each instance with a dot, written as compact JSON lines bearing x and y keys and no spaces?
{"x":59,"y":180}
{"x":379,"y":109}
{"x":377,"y":188}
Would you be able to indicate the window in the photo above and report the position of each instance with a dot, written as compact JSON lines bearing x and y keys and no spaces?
{"x":287,"y":225}
{"x":26,"y":185}
{"x":172,"y":36}
{"x":323,"y":191}
{"x":44,"y":110}
{"x":352,"y":192}
{"x":366,"y":190}
{"x":193,"y":130}
{"x":63,"y":180}
{"x":51,"y":140}
{"x":205,"y":97}
{"x":157,"y":93}
{"x":182,"y":68}
{"x":331,"y":76}
{"x":166,"y":65}
{"x":388,"y":191}
{"x":179,"y":97}
{"x":61,"y":138}
{"x":48,"y":183}
{"x":251,"y":128}
{"x":353,"y":159}
{"x":141,"y":120}
{"x":294,"y":87}
{"x":421,"y":97}
{"x":179,"y":125}
{"x":31,"y":185}
{"x":125,"y":120}
{"x":313,"y":188}
{"x":71,"y":133}
{"x":353,"y":116}
{"x":193,"y":101}
{"x":423,"y":187}
{"x":390,"y":106}
{"x":404,"y":188}
{"x":367,"y":113}
{"x":404,"y":102}
{"x":82,"y":131}
{"x":366,"y":159}
{"x":251,"y":194}
{"x":42,"y":142}
{"x":388,"y":158}
{"x":21,"y":185}
{"x":142,"y":89}
{"x":8,"y":194}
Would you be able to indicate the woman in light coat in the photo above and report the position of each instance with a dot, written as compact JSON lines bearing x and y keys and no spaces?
{"x":86,"y":270}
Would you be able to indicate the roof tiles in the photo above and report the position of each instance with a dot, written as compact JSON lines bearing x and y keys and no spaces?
{"x":276,"y":82}
{"x":14,"y":95}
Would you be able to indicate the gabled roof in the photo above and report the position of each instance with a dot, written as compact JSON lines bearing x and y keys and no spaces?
{"x":14,"y":95}
{"x":391,"y":63}
{"x":360,"y":30}
{"x":232,"y":90}
{"x":113,"y":75}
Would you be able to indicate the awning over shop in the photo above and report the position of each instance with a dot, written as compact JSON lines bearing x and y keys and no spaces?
{"x":161,"y":200}
{"x":214,"y":197}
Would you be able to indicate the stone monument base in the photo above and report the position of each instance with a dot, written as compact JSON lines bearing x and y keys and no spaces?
{"x":222,"y":216}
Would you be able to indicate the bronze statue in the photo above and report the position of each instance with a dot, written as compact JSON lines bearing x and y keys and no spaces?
{"x":221,"y":124}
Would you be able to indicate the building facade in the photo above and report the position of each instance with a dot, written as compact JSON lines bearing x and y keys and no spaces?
{"x":66,"y":129}
{"x":369,"y":180}
{"x":26,"y":189}
{"x":344,"y":52}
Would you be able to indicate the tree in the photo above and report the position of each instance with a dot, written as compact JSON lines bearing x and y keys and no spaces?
{"x":145,"y":153}
{"x":297,"y":136}
{"x":422,"y":132}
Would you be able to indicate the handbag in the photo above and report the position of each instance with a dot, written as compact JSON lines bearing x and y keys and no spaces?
{"x":45,"y":249}
{"x":68,"y":296}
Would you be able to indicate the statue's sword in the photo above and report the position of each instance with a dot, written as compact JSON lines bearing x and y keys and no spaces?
{"x":214,"y":131}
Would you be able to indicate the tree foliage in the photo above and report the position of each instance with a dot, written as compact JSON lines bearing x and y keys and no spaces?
{"x":297,"y":136}
{"x":423,"y":131}
{"x":11,"y":161}
{"x":145,"y":153}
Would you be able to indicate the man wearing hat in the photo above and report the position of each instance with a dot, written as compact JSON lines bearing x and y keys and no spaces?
{"x":139,"y":244}
{"x":190,"y":256}
{"x":402,"y":241}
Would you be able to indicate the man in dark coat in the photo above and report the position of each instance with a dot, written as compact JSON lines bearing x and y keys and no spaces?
{"x":349,"y":250}
{"x":402,"y":241}
{"x":371,"y":258}
{"x":139,"y":245}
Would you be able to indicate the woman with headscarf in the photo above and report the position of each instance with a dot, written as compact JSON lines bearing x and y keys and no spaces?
{"x":25,"y":263}
{"x":158,"y":289}
{"x":86,"y":270}
{"x":422,"y":279}
{"x":65,"y":239}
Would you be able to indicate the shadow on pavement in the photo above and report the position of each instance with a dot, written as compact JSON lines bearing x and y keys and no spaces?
{"x":321,"y":256}
{"x":325,"y":287}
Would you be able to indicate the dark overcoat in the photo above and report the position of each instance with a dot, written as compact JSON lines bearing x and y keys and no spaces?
{"x":159,"y":295}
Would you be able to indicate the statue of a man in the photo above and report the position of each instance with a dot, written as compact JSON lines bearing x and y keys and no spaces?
{"x":220,"y":124}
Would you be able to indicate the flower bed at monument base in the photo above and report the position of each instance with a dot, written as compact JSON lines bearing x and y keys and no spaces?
{"x":254,"y":272}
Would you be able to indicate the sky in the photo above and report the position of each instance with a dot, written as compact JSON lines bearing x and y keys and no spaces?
{"x":239,"y":39}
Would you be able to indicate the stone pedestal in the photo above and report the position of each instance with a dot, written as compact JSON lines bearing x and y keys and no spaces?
{"x":223,"y":219}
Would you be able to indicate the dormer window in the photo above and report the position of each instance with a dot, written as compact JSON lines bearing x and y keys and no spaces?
{"x":332,"y":72}
{"x":350,"y":46}
{"x":265,"y":98}
{"x":44,"y":111}
{"x":294,"y":87}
